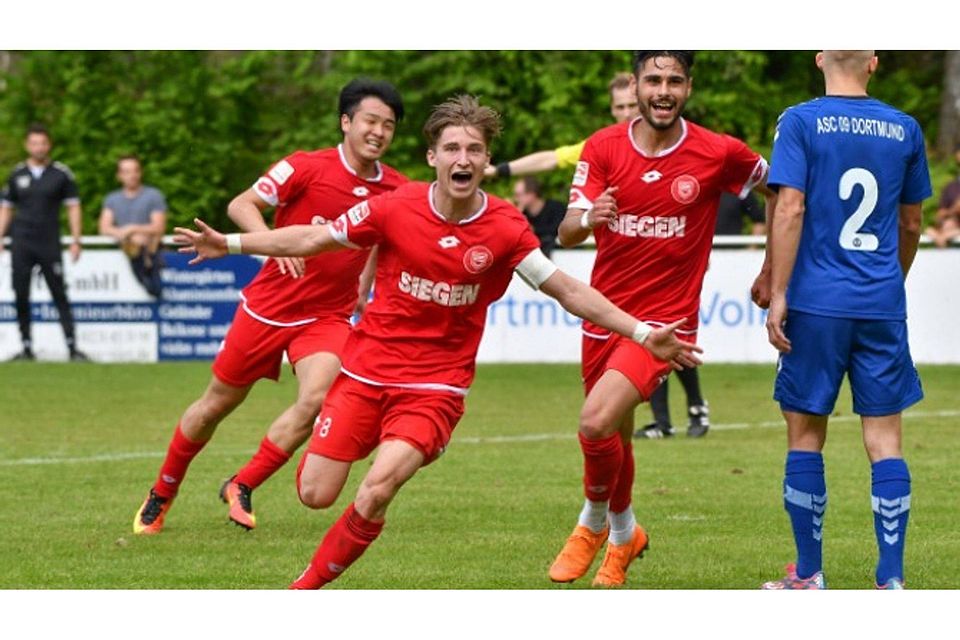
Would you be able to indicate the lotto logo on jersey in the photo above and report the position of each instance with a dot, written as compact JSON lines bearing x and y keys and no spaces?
{"x":581,"y":174}
{"x":359,"y":213}
{"x":477,"y":259}
{"x":685,"y":189}
{"x":266,"y":190}
{"x":441,"y":293}
{"x":281,"y":172}
{"x":361,"y":191}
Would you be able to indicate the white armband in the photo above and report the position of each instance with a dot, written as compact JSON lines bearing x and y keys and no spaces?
{"x":233,"y":243}
{"x":585,"y":219}
{"x":535,"y":269}
{"x":641,"y":332}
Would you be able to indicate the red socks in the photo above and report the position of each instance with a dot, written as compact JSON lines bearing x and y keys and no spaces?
{"x":179,"y":455}
{"x":265,"y":462}
{"x":622,"y":494}
{"x":602,"y":460}
{"x":345,"y":541}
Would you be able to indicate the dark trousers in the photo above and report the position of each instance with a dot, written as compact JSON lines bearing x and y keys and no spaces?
{"x":24,"y":257}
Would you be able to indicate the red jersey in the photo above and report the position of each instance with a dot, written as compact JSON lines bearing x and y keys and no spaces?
{"x":652,"y":258}
{"x":435,"y":280}
{"x":313,"y":187}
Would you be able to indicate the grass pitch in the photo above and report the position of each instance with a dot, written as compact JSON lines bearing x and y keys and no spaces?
{"x":81,"y":444}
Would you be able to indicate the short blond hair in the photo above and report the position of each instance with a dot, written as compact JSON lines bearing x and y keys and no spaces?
{"x":461,"y":111}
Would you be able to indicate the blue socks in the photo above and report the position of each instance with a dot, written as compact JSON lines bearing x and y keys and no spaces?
{"x":891,"y":509}
{"x":805,"y":499}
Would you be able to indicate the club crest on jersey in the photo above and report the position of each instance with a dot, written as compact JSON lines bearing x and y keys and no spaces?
{"x":477,"y":259}
{"x":23,"y":182}
{"x":281,"y":172}
{"x":359,"y":213}
{"x":361,"y":191}
{"x":685,"y":189}
{"x":581,"y":174}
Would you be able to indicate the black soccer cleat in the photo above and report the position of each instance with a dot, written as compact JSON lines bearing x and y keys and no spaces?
{"x":699,"y":420}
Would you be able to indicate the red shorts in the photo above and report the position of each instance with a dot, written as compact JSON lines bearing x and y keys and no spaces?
{"x":252,"y":349}
{"x":640,"y":367}
{"x":356,"y":417}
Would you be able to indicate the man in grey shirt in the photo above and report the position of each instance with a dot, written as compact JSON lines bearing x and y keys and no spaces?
{"x":136,"y":216}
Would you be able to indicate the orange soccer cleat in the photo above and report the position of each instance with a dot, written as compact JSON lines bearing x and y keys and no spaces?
{"x":613,"y":569}
{"x":238,"y":496}
{"x":149,"y":518}
{"x":577,"y":554}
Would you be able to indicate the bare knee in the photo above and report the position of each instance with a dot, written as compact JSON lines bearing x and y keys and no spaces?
{"x":595,"y":424}
{"x":373,"y":497}
{"x":317,"y":496}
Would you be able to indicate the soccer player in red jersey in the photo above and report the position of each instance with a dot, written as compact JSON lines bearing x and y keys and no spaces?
{"x":648,"y":190}
{"x":292,"y":305}
{"x":447,"y":250}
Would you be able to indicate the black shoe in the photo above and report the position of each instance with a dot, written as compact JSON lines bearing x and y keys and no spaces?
{"x":653,"y":432}
{"x":699,"y":420}
{"x":24,"y":356}
{"x":78,"y":356}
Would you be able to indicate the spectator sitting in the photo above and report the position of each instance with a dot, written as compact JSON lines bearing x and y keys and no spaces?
{"x":136,"y":216}
{"x":946,"y":226}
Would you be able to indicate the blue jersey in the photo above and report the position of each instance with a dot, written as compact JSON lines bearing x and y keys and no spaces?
{"x":856,"y":160}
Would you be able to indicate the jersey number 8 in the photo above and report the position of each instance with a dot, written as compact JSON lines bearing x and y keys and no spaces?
{"x":850,"y":238}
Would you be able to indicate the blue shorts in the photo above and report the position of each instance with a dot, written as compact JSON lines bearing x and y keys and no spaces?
{"x":875,"y":355}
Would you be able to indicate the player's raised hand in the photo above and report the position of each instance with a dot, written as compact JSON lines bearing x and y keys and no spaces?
{"x":604,"y":209}
{"x":207,"y":243}
{"x":665,"y":345}
{"x":776,"y":319}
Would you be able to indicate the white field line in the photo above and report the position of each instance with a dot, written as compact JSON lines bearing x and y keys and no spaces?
{"x":538,"y":437}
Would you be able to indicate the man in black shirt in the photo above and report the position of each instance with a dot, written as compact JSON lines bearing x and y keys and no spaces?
{"x":733,"y":210}
{"x":544,"y":216}
{"x":37,"y":188}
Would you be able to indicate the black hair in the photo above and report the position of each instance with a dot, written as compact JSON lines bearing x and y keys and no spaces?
{"x":532,"y":185}
{"x":36,"y":127}
{"x":685,"y":58}
{"x":356,"y":90}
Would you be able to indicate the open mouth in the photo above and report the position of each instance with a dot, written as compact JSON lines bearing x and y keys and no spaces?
{"x":662,"y":108}
{"x":461,"y":178}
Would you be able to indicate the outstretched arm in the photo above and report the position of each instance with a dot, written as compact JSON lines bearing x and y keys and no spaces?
{"x":295,"y":240}
{"x":586,"y":302}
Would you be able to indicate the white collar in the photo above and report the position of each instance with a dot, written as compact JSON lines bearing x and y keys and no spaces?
{"x":683,"y":136}
{"x":479,"y":212}
{"x":346,"y":165}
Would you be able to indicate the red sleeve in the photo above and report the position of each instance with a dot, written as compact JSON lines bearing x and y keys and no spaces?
{"x":284,"y":180}
{"x":526,"y":243}
{"x":590,"y":176}
{"x":362,"y":225}
{"x":744,"y":168}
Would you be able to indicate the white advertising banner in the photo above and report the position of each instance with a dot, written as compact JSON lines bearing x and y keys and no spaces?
{"x":117,"y":321}
{"x":527,"y":326}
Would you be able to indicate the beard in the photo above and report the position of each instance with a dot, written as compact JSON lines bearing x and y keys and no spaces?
{"x":661,"y":125}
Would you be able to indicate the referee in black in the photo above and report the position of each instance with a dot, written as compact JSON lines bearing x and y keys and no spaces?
{"x":36,"y":189}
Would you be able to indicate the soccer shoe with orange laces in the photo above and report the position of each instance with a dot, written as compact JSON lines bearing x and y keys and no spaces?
{"x":613,"y":569}
{"x":238,"y":496}
{"x":577,"y":554}
{"x":149,"y":518}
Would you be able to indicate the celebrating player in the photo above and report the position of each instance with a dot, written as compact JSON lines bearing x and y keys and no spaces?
{"x":447,"y":250}
{"x":648,"y":189}
{"x":852,"y":174}
{"x":291,"y":306}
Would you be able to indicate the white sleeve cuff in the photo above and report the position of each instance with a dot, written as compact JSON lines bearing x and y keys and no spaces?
{"x":535,"y":269}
